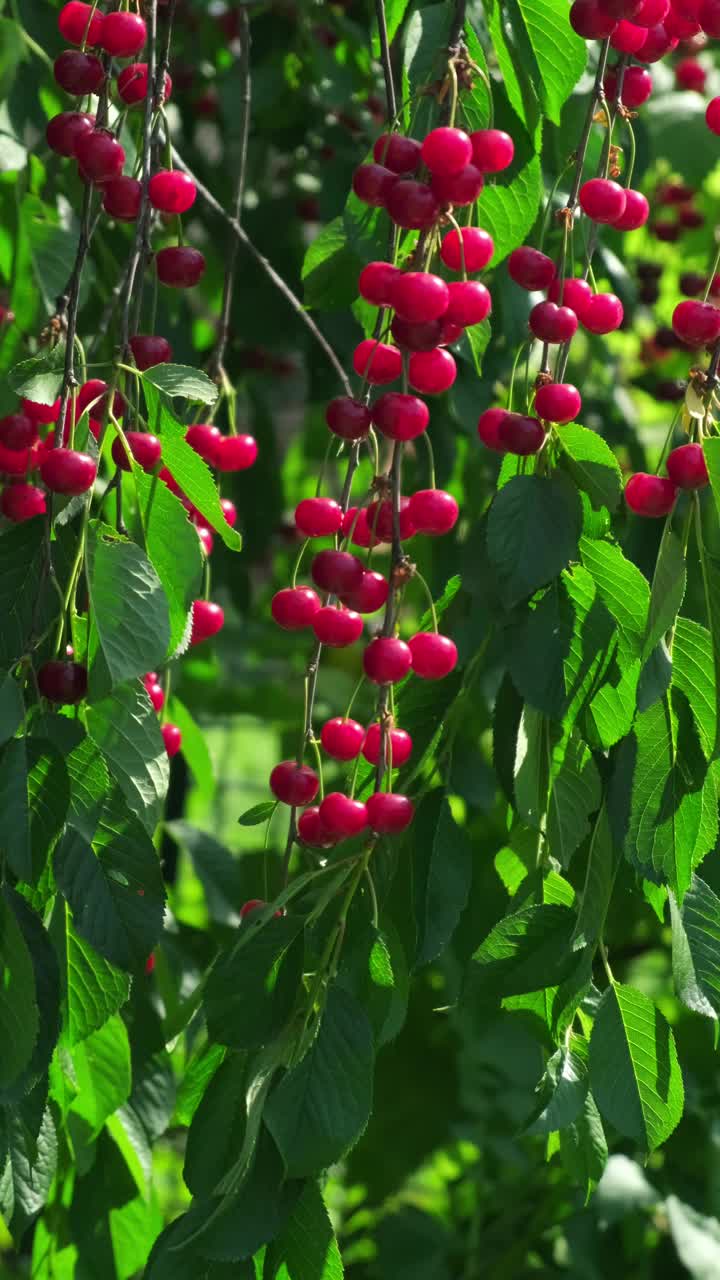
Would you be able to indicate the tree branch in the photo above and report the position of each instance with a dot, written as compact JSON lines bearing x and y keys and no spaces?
{"x":386,"y":60}
{"x":143,"y":220}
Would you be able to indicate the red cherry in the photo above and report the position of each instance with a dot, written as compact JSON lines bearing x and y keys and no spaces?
{"x":337,"y":628}
{"x":446,"y":151}
{"x":531,"y":269}
{"x":690,"y":75}
{"x":627,"y":38}
{"x":658,"y":42}
{"x":339,"y":572}
{"x":551,"y":323}
{"x":398,"y":748}
{"x":412,"y":205}
{"x":431,"y":372}
{"x":709,"y":18}
{"x":648,"y":495}
{"x":206,"y":540}
{"x":156,"y":696}
{"x":21,"y":502}
{"x":62,"y":682}
{"x":92,"y":396}
{"x":65,"y":471}
{"x":674,"y":193}
{"x":294,"y":784}
{"x":696,"y":322}
{"x":373,"y":183}
{"x":132,"y":84}
{"x":121,"y":198}
{"x":377,"y":362}
{"x":520,"y":434}
{"x":419,"y":296}
{"x":18,"y":431}
{"x":63,"y":131}
{"x":418,"y":337}
{"x":651,"y":12}
{"x":400,"y":416}
{"x":492,"y":150}
{"x":252,"y":904}
{"x":207,"y":620}
{"x":691,"y":218}
{"x":294,"y":608}
{"x":433,"y":656}
{"x":558,"y":402}
{"x":621,"y":8}
{"x":342,"y":816}
{"x":573,"y":293}
{"x":602,"y":200}
{"x":636,"y":86}
{"x":123,"y":34}
{"x":488,"y":428}
{"x":637,"y":212}
{"x":145,"y":449}
{"x":712,"y":115}
{"x":149,"y":350}
{"x":666,"y":231}
{"x":386,"y":660}
{"x":692,"y":283}
{"x":15,"y":462}
{"x":389,"y":813}
{"x":229,"y":511}
{"x":355,"y":527}
{"x":370,"y":595}
{"x":78,"y":73}
{"x":204,"y":439}
{"x":311,"y":830}
{"x":603,"y":313}
{"x":687,"y":468}
{"x":433,"y":511}
{"x":150,"y":963}
{"x":179,"y":266}
{"x":172,"y":191}
{"x":375,"y":282}
{"x":342,"y":739}
{"x":476,"y":245}
{"x":236,"y":453}
{"x":78,"y":24}
{"x":458,"y":188}
{"x":590,"y":21}
{"x":380,"y":520}
{"x":398,"y":154}
{"x":100,"y":155}
{"x":349,"y":419}
{"x":679,"y":27}
{"x":318,"y":517}
{"x":469,"y":302}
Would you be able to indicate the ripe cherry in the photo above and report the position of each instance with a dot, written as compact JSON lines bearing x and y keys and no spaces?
{"x":203,"y":438}
{"x":207,"y":620}
{"x":398,"y":746}
{"x":602,"y":200}
{"x":355,"y":527}
{"x":574,"y":293}
{"x":294,"y":608}
{"x":92,"y":396}
{"x":658,"y":43}
{"x":603,"y":313}
{"x":476,"y":246}
{"x":417,"y":337}
{"x":18,"y":431}
{"x":396,"y":153}
{"x":347,"y":418}
{"x":21,"y":502}
{"x":179,"y":266}
{"x":78,"y":24}
{"x":558,"y":402}
{"x":373,"y":183}
{"x":636,"y":214}
{"x":100,"y":155}
{"x":15,"y":462}
{"x":412,"y":205}
{"x":236,"y":453}
{"x":712,"y":115}
{"x":433,"y":511}
{"x":342,"y":738}
{"x":651,"y":12}
{"x":530,"y":268}
{"x":121,"y":198}
{"x":377,"y":362}
{"x":342,"y":816}
{"x":149,"y":350}
{"x":690,"y":75}
{"x":339,"y":572}
{"x":311,"y":830}
{"x":687,"y":468}
{"x":488,"y":428}
{"x":318,"y":517}
{"x":419,"y":296}
{"x":172,"y":191}
{"x":691,"y":218}
{"x":64,"y":130}
{"x":520,"y":434}
{"x":123,"y":34}
{"x":380,"y":520}
{"x":337,"y":627}
{"x":65,"y":471}
{"x":590,"y":21}
{"x":648,"y":495}
{"x":294,"y":784}
{"x":389,"y":813}
{"x":145,"y":449}
{"x":375,"y":282}
{"x":431,"y":372}
{"x":78,"y":73}
{"x":709,"y":18}
{"x":386,"y":660}
{"x":62,"y":682}
{"x":155,"y":693}
{"x":492,"y":150}
{"x":696,"y":322}
{"x":551,"y":323}
{"x":433,"y":656}
{"x":400,"y":416}
{"x":469,"y":302}
{"x":172,"y":737}
{"x":458,"y":188}
{"x":132,"y":84}
{"x":637,"y":86}
{"x":446,"y":151}
{"x":370,"y":595}
{"x":627,"y":37}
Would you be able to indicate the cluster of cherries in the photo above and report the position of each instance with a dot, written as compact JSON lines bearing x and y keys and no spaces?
{"x":99,"y":154}
{"x":172,"y":737}
{"x":645,"y":29}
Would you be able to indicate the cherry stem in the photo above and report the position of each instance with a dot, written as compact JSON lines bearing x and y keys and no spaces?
{"x":386,"y":60}
{"x":431,"y":458}
{"x":430,"y":600}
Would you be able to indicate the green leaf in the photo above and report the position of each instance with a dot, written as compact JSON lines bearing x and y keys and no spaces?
{"x":19,"y":1017}
{"x":12,"y":708}
{"x":532,"y":533}
{"x":599,"y":880}
{"x":29,"y":1165}
{"x":257,"y":814}
{"x":574,"y":796}
{"x":514,"y":66}
{"x":15,"y":831}
{"x":197,"y":1075}
{"x":552,"y":55}
{"x":667,"y":592}
{"x":583,"y":1147}
{"x":218,"y":1127}
{"x":592,"y":464}
{"x":251,"y":991}
{"x":443,"y":872}
{"x":695,"y":948}
{"x":102,"y":1072}
{"x":621,"y":586}
{"x":181,"y":380}
{"x":710,"y":567}
{"x":508,"y":210}
{"x":306,"y":1248}
{"x":563,"y":1088}
{"x":40,"y":377}
{"x":526,"y":951}
{"x":130,"y":626}
{"x":47,"y":994}
{"x":125,"y":729}
{"x":93,"y":989}
{"x":693,"y":672}
{"x":321,"y":1106}
{"x":12,"y":53}
{"x":634,"y":1071}
{"x":195,"y":749}
{"x":86,"y":770}
{"x":330,"y":269}
{"x":28,"y":603}
{"x":174,"y":550}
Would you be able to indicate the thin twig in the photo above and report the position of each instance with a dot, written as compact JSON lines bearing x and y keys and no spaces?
{"x":386,"y":60}
{"x":68,"y":305}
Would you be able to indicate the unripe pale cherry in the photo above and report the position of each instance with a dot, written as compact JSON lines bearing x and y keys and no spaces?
{"x":373,"y":183}
{"x":375,"y":282}
{"x":492,"y":150}
{"x":458,"y":188}
{"x":433,"y":511}
{"x":204,"y":438}
{"x":603,"y":313}
{"x":469,"y":303}
{"x":343,"y":816}
{"x":412,"y":205}
{"x":687,"y":468}
{"x":311,"y":830}
{"x":172,"y":737}
{"x":371,"y":594}
{"x":574,"y":293}
{"x":380,"y":520}
{"x":588,"y":20}
{"x":145,"y":449}
{"x":602,"y":199}
{"x":179,"y":266}
{"x":636,"y":87}
{"x":389,"y":813}
{"x":398,"y":746}
{"x":712,"y":115}
{"x":337,"y":627}
{"x":318,"y":517}
{"x":690,"y":75}
{"x":342,"y":738}
{"x":172,"y":191}
{"x":488,"y":429}
{"x":400,"y":416}
{"x":294,"y":608}
{"x":207,"y":620}
{"x":636,"y":213}
{"x":18,"y":431}
{"x":396,"y":153}
{"x":65,"y":471}
{"x":476,"y":246}
{"x":149,"y":350}
{"x":551,"y":323}
{"x":520,"y":434}
{"x":446,"y":151}
{"x":78,"y":24}
{"x":431,"y":372}
{"x":132,"y":84}
{"x":100,"y":155}
{"x":377,"y":362}
{"x":433,"y":656}
{"x":123,"y":34}
{"x":386,"y":660}
{"x":658,"y":43}
{"x":696,"y":322}
{"x":337,"y":571}
{"x":294,"y":784}
{"x":530,"y":268}
{"x":63,"y":131}
{"x":21,"y":502}
{"x":627,"y":38}
{"x":236,"y":453}
{"x":78,"y":73}
{"x":558,"y":402}
{"x":347,"y":418}
{"x":648,"y":495}
{"x":62,"y":682}
{"x":419,"y":296}
{"x":121,"y":198}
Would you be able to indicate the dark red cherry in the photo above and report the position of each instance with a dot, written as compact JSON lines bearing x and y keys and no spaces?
{"x":488,"y":428}
{"x":62,"y":682}
{"x":18,"y":431}
{"x":179,"y":266}
{"x":78,"y":73}
{"x":337,"y":627}
{"x":696,"y":322}
{"x":145,"y":449}
{"x":520,"y":434}
{"x":21,"y":502}
{"x":373,"y":183}
{"x":64,"y":130}
{"x":412,"y":205}
{"x":370,"y":595}
{"x":100,"y":155}
{"x":530,"y":268}
{"x":396,"y":153}
{"x":121,"y":198}
{"x":380,"y":520}
{"x":347,"y":418}
{"x":65,"y":471}
{"x":553,"y":324}
{"x":294,"y":784}
{"x":339,"y":572}
{"x":458,"y":188}
{"x":149,"y":350}
{"x":400,"y":416}
{"x":132,"y":84}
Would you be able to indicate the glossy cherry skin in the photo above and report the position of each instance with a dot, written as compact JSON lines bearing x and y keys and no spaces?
{"x":15,"y":462}
{"x":648,"y":495}
{"x":590,"y":21}
{"x":132,"y":84}
{"x":149,"y":349}
{"x":520,"y":434}
{"x":709,"y":18}
{"x":179,"y":266}
{"x":294,"y":608}
{"x":636,"y":214}
{"x":318,"y":517}
{"x":65,"y":471}
{"x":433,"y":511}
{"x":372,"y":183}
{"x":294,"y":784}
{"x":458,"y":188}
{"x":602,"y":200}
{"x":207,"y":540}
{"x":100,"y":155}
{"x":123,"y":34}
{"x":156,"y":695}
{"x":712,"y":115}
{"x":400,"y":416}
{"x":553,"y":324}
{"x":145,"y":449}
{"x":311,"y":830}
{"x":636,"y":87}
{"x":342,"y":739}
{"x":476,"y":246}
{"x":355,"y":527}
{"x":370,"y":595}
{"x":687,"y":468}
{"x":172,"y":737}
{"x":492,"y":149}
{"x":62,"y":682}
{"x":78,"y":73}
{"x":64,"y":130}
{"x":18,"y":431}
{"x":377,"y":362}
{"x":431,"y":372}
{"x":419,"y":296}
{"x":375,"y":282}
{"x":574,"y":293}
{"x":342,"y":816}
{"x":78,"y":24}
{"x":380,"y":520}
{"x":203,"y":438}
{"x":696,"y":322}
{"x":207,"y":620}
{"x":651,"y":12}
{"x":386,"y":660}
{"x":172,"y":191}
{"x":530,"y":268}
{"x":396,"y":153}
{"x":690,"y":75}
{"x":627,"y":37}
{"x":446,"y":150}
{"x":339,"y":572}
{"x":658,"y":43}
{"x":21,"y":502}
{"x":488,"y":428}
{"x":603,"y":313}
{"x":236,"y":453}
{"x":433,"y":656}
{"x":412,"y":205}
{"x":389,"y":813}
{"x":558,"y":402}
{"x":469,"y":302}
{"x":347,"y":418}
{"x":398,"y":749}
{"x":121,"y":198}
{"x":92,"y":396}
{"x":337,"y":628}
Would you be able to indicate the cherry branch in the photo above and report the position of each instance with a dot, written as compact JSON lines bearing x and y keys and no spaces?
{"x":143,"y":220}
